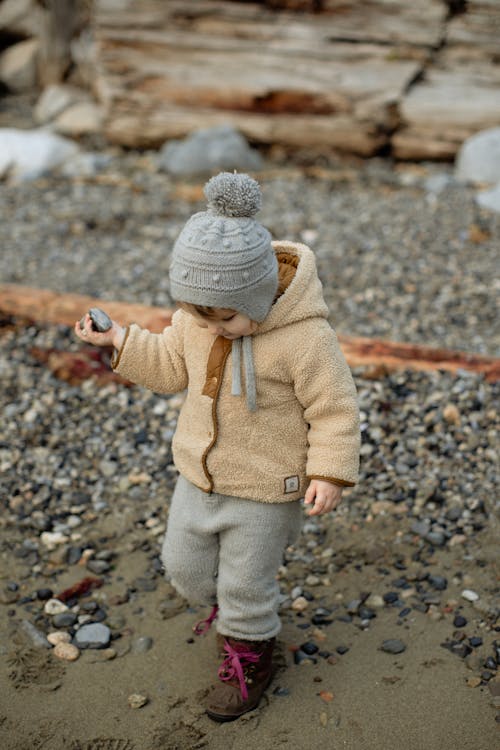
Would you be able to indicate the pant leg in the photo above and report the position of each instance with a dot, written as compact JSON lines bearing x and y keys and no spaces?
{"x":191,"y":548}
{"x":252,"y":545}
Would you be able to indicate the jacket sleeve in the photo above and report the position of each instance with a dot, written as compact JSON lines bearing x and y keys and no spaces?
{"x":325,"y":388}
{"x":154,"y":360}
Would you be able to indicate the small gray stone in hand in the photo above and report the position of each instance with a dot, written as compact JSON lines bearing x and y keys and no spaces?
{"x":100,"y":320}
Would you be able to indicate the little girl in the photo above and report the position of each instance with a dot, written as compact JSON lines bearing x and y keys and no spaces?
{"x":270,"y":417}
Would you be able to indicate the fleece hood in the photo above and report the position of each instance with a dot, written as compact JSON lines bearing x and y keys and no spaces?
{"x":303,"y":298}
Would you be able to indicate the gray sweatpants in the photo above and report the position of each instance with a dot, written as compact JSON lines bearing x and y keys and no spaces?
{"x":228,"y":550}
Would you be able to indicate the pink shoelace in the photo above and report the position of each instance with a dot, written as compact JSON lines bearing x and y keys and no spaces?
{"x":234,"y":665}
{"x":203,"y":626}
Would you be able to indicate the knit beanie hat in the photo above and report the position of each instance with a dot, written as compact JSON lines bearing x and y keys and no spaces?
{"x":223,"y":257}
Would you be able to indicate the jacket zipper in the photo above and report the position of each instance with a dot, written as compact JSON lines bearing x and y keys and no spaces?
{"x":214,"y":424}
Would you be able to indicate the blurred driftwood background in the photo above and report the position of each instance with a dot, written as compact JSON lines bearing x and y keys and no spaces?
{"x":361,"y":77}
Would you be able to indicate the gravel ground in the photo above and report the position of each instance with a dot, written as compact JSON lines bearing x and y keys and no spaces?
{"x":404,"y":254}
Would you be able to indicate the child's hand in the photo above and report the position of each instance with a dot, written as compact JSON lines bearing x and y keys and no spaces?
{"x":325,"y":496}
{"x":112,"y":337}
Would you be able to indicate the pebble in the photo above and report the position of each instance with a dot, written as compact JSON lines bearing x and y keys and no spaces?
{"x":393,"y":646}
{"x":55,"y":607}
{"x":476,"y":641}
{"x":108,"y":654}
{"x":116,"y":621}
{"x":451,"y":414}
{"x":137,"y":701}
{"x":53,"y":539}
{"x":439,"y":583}
{"x":64,"y":620}
{"x":281,"y":692}
{"x":375,"y":601}
{"x":142,"y":645}
{"x":301,"y":657}
{"x":98,"y":566}
{"x":434,"y":613}
{"x":66,"y":651}
{"x":36,"y":637}
{"x":309,"y":648}
{"x":93,"y":635}
{"x":391,"y":597}
{"x":44,"y":594}
{"x":474,"y":682}
{"x":59,"y":636}
{"x":469,"y":595}
{"x":300,"y":604}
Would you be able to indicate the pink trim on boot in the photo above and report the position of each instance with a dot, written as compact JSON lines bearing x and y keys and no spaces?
{"x":234,"y":664}
{"x":203,"y":626}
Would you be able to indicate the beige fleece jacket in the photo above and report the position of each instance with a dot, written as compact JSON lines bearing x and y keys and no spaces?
{"x":306,"y":425}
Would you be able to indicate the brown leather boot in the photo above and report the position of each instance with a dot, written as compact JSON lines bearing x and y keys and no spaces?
{"x":244,"y":675}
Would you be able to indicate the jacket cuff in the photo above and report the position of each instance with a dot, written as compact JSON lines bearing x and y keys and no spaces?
{"x":332,"y":480}
{"x":117,"y":354}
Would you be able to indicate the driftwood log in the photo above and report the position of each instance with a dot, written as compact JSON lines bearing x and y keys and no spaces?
{"x":329,"y":79}
{"x":351,"y":76}
{"x":376,"y":357}
{"x":459,"y":93}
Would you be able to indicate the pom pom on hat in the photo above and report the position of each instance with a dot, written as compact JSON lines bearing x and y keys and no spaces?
{"x":231,"y":194}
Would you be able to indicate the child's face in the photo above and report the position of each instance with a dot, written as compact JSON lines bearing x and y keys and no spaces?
{"x":223,"y":322}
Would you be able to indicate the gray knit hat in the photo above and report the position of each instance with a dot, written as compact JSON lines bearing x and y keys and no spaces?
{"x":223,"y":257}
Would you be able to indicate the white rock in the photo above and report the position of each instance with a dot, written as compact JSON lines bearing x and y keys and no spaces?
{"x":58,"y":636}
{"x":490,"y":199}
{"x":375,"y":601}
{"x":55,"y":607}
{"x":470,"y":595}
{"x":160,"y":408}
{"x":137,"y":701}
{"x":51,"y":539}
{"x":29,"y":154}
{"x":18,"y":66}
{"x":300,"y":604}
{"x":80,"y":119}
{"x":478,"y":159}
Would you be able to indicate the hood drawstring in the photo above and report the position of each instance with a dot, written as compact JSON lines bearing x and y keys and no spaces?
{"x":244,"y":343}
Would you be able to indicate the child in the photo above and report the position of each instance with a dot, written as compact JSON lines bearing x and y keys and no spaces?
{"x":248,"y":445}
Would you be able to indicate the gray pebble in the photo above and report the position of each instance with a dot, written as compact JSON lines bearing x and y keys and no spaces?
{"x":36,"y":637}
{"x":438,"y":582}
{"x":64,"y":620}
{"x":98,"y":566}
{"x":142,"y":644}
{"x":393,"y":646}
{"x":93,"y":635}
